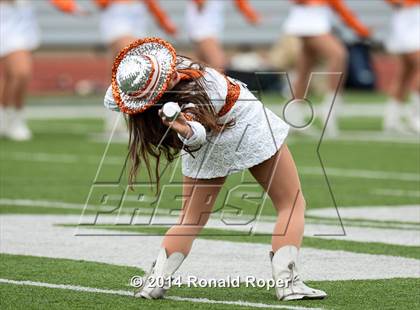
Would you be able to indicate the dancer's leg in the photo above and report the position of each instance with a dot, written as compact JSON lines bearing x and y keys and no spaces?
{"x":199,"y":196}
{"x":279,"y":177}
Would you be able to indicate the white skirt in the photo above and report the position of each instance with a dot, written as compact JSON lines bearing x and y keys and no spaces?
{"x":207,"y":23}
{"x":18,"y":28}
{"x":308,"y":20}
{"x":257,"y":135}
{"x":404,"y":33}
{"x":123,"y":19}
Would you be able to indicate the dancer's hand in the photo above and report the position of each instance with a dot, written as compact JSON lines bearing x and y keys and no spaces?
{"x":180,"y":124}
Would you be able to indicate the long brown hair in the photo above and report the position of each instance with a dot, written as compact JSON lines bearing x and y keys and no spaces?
{"x":149,"y":137}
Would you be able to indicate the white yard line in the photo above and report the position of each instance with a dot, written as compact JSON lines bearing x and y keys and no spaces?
{"x":130,"y":293}
{"x":39,"y":203}
{"x":387,"y":235}
{"x":48,"y":112}
{"x":61,"y":158}
{"x":40,"y":236}
{"x":361,"y":174}
{"x":369,"y":136}
{"x":401,"y":213}
{"x":66,"y":205}
{"x":116,"y":160}
{"x":395,"y":192}
{"x":68,"y":287}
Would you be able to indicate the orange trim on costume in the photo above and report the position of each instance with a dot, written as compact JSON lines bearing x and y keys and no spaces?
{"x":70,"y":6}
{"x":403,"y":3}
{"x":234,"y":91}
{"x":188,"y":74}
{"x":343,"y":11}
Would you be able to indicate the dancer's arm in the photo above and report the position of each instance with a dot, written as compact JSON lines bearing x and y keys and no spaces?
{"x":349,"y":18}
{"x":191,"y":133}
{"x":248,"y":11}
{"x":161,"y":17}
{"x":66,"y":6}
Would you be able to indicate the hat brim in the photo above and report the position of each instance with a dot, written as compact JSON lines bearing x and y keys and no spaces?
{"x":165,"y":55}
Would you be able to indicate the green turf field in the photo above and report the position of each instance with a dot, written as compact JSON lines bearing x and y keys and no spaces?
{"x":49,"y":181}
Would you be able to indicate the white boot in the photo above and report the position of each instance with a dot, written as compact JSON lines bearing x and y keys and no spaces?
{"x":17,"y":129}
{"x":332,"y":126}
{"x":156,"y":282}
{"x":393,"y":117}
{"x":285,"y":274}
{"x":413,"y":113}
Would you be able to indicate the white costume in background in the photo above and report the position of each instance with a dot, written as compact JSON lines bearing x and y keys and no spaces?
{"x":18,"y":27}
{"x":308,"y":20}
{"x":121,"y":19}
{"x":404,"y":33}
{"x":207,"y":23}
{"x":403,"y":38}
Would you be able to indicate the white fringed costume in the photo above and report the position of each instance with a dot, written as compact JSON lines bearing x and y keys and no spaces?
{"x":256,"y":136}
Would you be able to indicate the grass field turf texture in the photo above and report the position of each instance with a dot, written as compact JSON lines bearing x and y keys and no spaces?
{"x":54,"y":172}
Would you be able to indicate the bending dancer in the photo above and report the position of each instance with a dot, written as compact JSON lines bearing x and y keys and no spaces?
{"x":219,"y":113}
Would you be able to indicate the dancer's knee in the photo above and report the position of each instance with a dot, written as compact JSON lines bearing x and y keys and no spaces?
{"x":19,"y":75}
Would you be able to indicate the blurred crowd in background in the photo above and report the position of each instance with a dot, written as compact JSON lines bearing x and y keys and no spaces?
{"x":294,"y":36}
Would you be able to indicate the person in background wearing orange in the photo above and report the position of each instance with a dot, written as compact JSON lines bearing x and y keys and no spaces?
{"x":311,"y":21}
{"x":204,"y":22}
{"x":404,"y":41}
{"x":19,"y":35}
{"x":121,"y":22}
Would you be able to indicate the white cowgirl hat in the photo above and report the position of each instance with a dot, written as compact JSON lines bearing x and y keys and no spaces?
{"x":141,"y":73}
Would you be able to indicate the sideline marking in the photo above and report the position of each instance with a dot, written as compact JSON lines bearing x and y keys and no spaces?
{"x":130,"y":293}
